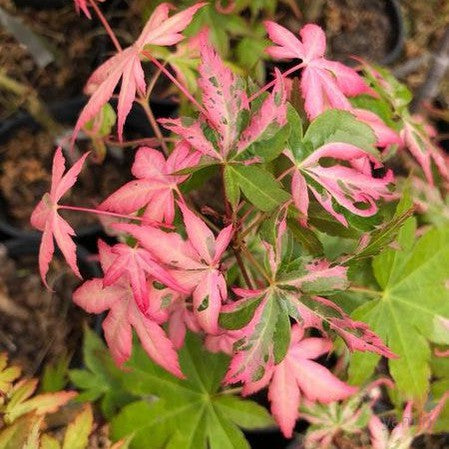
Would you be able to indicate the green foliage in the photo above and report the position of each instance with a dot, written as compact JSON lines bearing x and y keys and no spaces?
{"x":339,"y":126}
{"x":101,"y":379}
{"x":257,"y":184}
{"x":410,"y":308}
{"x":190,"y":413}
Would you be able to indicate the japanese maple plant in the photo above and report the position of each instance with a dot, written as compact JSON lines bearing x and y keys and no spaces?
{"x":305,"y":267}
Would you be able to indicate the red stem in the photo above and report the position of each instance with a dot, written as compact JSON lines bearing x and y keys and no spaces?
{"x":272,"y":83}
{"x":179,"y":85}
{"x":106,"y":25}
{"x":111,"y":214}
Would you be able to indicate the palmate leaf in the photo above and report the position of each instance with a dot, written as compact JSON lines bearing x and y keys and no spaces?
{"x":101,"y":379}
{"x":257,"y":184}
{"x":188,"y":413}
{"x":410,"y":309}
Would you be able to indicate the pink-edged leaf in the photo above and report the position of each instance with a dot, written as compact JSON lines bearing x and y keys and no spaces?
{"x":131,"y":197}
{"x":223,"y":95}
{"x":319,"y":276}
{"x":94,"y":298}
{"x":300,"y":196}
{"x":193,"y":134}
{"x":353,"y":187}
{"x":318,"y":383}
{"x":156,"y":344}
{"x":385,"y":136}
{"x":180,"y":320}
{"x":207,"y":300}
{"x":63,"y":234}
{"x":418,"y":140}
{"x":273,"y":110}
{"x":359,"y":337}
{"x":378,"y":433}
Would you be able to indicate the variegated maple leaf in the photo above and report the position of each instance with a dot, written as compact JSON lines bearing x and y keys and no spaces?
{"x":160,"y":29}
{"x":324,"y":83}
{"x":417,"y":138}
{"x":194,"y":263}
{"x":297,"y":376}
{"x":348,"y":183}
{"x":45,"y":216}
{"x":156,"y":184}
{"x":259,"y":322}
{"x":403,"y":434}
{"x":123,"y":315}
{"x":225,"y":99}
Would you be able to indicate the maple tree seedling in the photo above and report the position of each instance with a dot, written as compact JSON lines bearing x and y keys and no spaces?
{"x":311,"y":250}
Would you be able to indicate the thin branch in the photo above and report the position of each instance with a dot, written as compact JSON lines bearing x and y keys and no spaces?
{"x":106,"y":25}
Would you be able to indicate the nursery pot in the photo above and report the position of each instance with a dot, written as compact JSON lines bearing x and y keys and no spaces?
{"x":67,"y":112}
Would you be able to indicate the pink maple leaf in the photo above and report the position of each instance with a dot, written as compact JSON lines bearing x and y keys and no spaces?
{"x":324,"y":83}
{"x":45,"y":216}
{"x":123,"y":315}
{"x":351,"y":186}
{"x":135,"y":263}
{"x":385,"y":136}
{"x":81,"y":5}
{"x":224,"y":98}
{"x":417,"y":137}
{"x":155,"y":185}
{"x":194,"y":263}
{"x":160,"y":29}
{"x":298,"y":375}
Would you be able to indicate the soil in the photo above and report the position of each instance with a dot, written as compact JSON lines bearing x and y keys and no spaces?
{"x":25,"y":175}
{"x":37,"y":326}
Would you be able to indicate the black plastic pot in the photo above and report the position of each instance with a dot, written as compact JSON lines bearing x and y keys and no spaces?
{"x":67,"y":112}
{"x":394,"y":11}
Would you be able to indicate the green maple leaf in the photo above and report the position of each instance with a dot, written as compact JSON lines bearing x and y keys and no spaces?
{"x":185,"y":413}
{"x":409,"y":312}
{"x":101,"y":379}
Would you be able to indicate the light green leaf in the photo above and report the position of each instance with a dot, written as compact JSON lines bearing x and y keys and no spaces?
{"x":188,"y":413}
{"x":101,"y":378}
{"x":414,"y":298}
{"x":340,"y":126}
{"x":240,"y":316}
{"x":232,"y":189}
